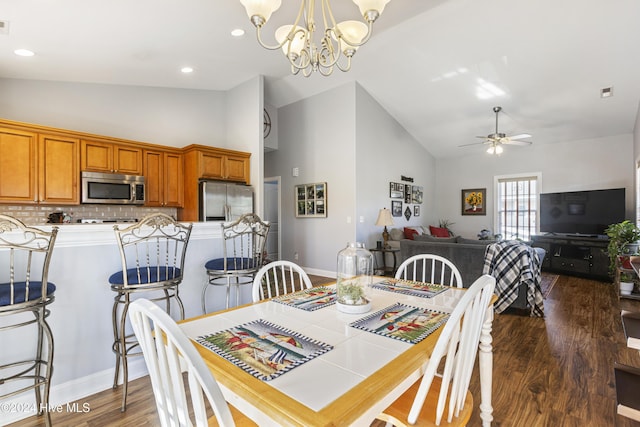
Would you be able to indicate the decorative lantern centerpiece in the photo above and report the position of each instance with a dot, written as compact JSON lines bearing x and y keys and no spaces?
{"x":354,"y":274}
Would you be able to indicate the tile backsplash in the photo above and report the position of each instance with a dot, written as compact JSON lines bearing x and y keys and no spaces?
{"x":39,"y":214}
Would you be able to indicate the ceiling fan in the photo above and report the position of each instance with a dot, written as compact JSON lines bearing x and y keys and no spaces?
{"x":497,"y":139}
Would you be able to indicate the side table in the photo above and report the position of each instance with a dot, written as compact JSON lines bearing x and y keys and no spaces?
{"x":382,"y":269}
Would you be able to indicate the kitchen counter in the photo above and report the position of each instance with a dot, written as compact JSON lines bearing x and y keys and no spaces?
{"x":85,"y":255}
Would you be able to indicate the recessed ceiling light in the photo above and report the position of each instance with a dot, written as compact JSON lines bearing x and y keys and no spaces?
{"x":238,"y":32}
{"x":606,"y":92}
{"x":186,"y":70}
{"x":23,"y":52}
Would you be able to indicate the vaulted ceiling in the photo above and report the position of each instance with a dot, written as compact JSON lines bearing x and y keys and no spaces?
{"x":437,"y":66}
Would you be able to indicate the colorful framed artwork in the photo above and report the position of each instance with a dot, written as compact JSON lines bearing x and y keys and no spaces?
{"x":474,"y":201}
{"x":396,"y":190}
{"x":311,"y":200}
{"x":396,"y":208}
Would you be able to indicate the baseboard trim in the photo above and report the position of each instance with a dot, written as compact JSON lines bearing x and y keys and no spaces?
{"x":62,"y":396}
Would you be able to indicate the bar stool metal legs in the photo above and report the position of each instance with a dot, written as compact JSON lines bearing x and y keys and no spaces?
{"x":25,"y":253}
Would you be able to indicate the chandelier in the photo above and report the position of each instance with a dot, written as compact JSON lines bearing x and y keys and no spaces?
{"x":298,"y":42}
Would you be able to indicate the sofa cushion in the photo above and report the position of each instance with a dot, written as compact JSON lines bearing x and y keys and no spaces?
{"x":428,"y":238}
{"x":438,"y":231}
{"x":475,"y":242}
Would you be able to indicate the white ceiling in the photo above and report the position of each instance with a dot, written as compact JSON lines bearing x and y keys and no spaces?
{"x":551,"y":58}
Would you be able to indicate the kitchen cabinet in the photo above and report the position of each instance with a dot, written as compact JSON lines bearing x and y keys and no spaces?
{"x":202,"y":162}
{"x":221,"y":165}
{"x":101,"y":156}
{"x":163,"y":172}
{"x":38,"y":168}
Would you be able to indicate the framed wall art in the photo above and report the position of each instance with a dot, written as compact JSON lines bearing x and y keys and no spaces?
{"x":408,"y":194}
{"x":416,"y":194}
{"x":474,"y":201}
{"x":396,"y":190}
{"x":311,"y":200}
{"x":396,"y":208}
{"x":416,"y":211}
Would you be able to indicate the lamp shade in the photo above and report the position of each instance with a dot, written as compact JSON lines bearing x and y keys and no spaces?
{"x":352,"y":32}
{"x":298,"y":42}
{"x":384,"y":218}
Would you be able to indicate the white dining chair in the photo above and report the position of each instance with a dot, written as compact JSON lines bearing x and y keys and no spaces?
{"x":279,"y":278}
{"x":430,"y":268}
{"x":424,"y":403}
{"x":167,"y":351}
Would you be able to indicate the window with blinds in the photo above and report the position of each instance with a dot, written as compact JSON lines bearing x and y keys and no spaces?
{"x":517,"y":206}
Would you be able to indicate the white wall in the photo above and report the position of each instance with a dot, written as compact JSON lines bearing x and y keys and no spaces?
{"x":571,"y":166}
{"x":317,"y":136}
{"x":385,"y":151}
{"x":172,"y":117}
{"x":343,"y":137}
{"x":244,"y":130}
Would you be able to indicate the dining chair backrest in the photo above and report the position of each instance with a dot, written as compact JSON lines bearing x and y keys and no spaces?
{"x":430,"y":268}
{"x":25,"y":254}
{"x":279,"y":278}
{"x":164,"y":346}
{"x":152,"y":252}
{"x":243,"y":244}
{"x":458,"y":343}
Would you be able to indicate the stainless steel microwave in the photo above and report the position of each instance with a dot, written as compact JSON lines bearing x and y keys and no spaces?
{"x":112,"y":188}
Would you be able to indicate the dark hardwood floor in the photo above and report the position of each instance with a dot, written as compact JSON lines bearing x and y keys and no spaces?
{"x":556,"y":371}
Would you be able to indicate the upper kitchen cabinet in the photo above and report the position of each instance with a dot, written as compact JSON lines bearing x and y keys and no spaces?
{"x":163,"y":178}
{"x":219,"y":164}
{"x":38,"y":168}
{"x":202,"y":162}
{"x":101,"y":156}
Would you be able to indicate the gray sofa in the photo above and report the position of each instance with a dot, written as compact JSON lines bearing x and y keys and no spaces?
{"x":467,"y":255}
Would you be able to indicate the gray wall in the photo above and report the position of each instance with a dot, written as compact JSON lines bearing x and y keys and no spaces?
{"x":172,"y":117}
{"x":571,"y":166}
{"x":345,"y":138}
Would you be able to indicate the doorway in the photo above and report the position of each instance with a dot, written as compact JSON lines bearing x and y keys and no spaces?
{"x":272,"y":214}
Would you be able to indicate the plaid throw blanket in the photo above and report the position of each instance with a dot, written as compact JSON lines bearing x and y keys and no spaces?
{"x":513,"y":263}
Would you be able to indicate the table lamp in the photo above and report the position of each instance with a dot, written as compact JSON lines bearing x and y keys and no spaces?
{"x":384,"y":219}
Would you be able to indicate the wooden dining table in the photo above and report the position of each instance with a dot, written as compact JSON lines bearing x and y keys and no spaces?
{"x":350,"y":384}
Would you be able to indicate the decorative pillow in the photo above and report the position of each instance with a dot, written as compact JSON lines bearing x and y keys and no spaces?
{"x":409,"y":233}
{"x":396,"y":234}
{"x":438,"y":231}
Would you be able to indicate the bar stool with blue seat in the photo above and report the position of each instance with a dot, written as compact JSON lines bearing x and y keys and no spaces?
{"x":25,"y":254}
{"x":243,"y":242}
{"x":152,"y":254}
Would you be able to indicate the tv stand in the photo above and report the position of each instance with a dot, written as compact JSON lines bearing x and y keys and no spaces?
{"x":575,"y":254}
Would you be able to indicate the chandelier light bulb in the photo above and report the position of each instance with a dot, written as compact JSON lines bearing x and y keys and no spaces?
{"x":297,"y":43}
{"x":260,"y":8}
{"x":369,"y":6}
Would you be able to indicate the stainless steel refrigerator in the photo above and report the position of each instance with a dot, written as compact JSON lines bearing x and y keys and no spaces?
{"x":220,"y":201}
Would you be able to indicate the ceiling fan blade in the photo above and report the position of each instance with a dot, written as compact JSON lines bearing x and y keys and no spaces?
{"x":475,"y":143}
{"x":520,"y":136}
{"x":516,"y":142}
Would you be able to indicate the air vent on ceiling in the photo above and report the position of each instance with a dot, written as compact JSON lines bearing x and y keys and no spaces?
{"x":4,"y":27}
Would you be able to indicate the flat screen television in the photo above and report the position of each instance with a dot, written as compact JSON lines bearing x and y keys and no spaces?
{"x":581,"y":212}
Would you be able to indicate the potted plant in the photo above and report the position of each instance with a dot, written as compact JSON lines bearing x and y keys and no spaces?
{"x":623,"y":242}
{"x":626,"y":283}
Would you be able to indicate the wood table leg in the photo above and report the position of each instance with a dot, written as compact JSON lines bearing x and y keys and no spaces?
{"x":486,"y":369}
